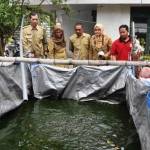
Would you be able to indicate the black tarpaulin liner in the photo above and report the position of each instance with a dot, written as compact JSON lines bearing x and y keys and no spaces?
{"x":80,"y":83}
{"x":136,"y":91}
{"x":11,"y":87}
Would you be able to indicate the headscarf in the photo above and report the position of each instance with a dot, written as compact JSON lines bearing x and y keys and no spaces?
{"x":58,"y":41}
{"x":100,"y":26}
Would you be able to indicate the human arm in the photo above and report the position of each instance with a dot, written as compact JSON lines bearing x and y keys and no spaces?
{"x":109,"y":46}
{"x":27,"y":43}
{"x":50,"y":53}
{"x":113,"y":57}
{"x":113,"y":51}
{"x":90,"y":49}
{"x":71,"y":47}
{"x":45,"y":43}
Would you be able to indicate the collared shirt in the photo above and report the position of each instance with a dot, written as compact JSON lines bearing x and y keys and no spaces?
{"x":34,"y":40}
{"x":121,"y":49}
{"x":56,"y":51}
{"x":100,"y":43}
{"x":80,"y":46}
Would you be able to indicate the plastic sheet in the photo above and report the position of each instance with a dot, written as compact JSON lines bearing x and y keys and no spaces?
{"x":80,"y":83}
{"x":136,"y":91}
{"x":11,"y":87}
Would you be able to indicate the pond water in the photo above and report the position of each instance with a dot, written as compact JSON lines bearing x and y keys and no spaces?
{"x":68,"y":125}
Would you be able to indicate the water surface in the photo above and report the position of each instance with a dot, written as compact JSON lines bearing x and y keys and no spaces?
{"x":68,"y":125}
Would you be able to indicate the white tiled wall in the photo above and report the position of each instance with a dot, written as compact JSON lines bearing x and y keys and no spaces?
{"x":112,"y":16}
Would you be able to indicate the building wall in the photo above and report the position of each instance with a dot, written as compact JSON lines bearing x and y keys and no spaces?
{"x":112,"y":16}
{"x":36,"y":2}
{"x":105,"y":1}
{"x":145,"y":1}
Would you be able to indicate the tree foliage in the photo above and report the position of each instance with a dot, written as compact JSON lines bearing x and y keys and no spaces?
{"x":9,"y":16}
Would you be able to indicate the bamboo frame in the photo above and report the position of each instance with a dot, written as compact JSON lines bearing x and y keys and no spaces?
{"x":74,"y":62}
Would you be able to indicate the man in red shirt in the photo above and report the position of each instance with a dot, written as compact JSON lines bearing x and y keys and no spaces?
{"x":121,"y":48}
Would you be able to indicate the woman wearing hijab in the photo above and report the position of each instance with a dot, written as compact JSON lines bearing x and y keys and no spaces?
{"x":100,"y":44}
{"x":57,"y":44}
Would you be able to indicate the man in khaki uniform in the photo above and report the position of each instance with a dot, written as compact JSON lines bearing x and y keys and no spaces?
{"x":100,"y":44}
{"x":34,"y":38}
{"x":79,"y":43}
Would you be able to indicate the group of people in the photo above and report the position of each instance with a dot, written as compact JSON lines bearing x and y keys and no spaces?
{"x":99,"y":46}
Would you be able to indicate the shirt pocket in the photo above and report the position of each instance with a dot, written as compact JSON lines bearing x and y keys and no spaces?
{"x":39,"y":38}
{"x":77,"y":44}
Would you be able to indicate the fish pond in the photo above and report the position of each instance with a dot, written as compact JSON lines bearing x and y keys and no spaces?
{"x":68,"y":125}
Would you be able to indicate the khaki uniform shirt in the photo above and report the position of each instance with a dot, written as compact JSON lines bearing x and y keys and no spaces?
{"x":34,"y":40}
{"x":56,"y":51}
{"x":80,"y":46}
{"x":97,"y":44}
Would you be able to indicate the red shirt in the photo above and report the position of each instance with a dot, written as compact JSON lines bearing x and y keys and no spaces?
{"x":121,"y":49}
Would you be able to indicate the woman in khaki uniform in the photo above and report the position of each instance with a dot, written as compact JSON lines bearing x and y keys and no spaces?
{"x":57,"y":44}
{"x":100,"y":44}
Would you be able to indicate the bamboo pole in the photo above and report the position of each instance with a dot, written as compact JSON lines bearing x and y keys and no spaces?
{"x":133,"y":39}
{"x":23,"y":73}
{"x":74,"y":62}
